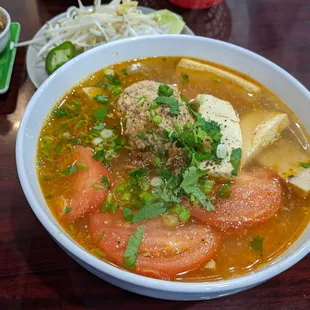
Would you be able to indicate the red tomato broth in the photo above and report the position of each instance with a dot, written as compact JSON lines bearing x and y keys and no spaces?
{"x":234,"y":257}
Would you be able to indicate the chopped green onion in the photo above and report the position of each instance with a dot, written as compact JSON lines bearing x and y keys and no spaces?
{"x":99,"y":253}
{"x":141,"y":101}
{"x":117,"y":91}
{"x":82,"y":166}
{"x":69,"y":171}
{"x":79,"y":123}
{"x":224,"y":191}
{"x":121,"y":188}
{"x":100,"y":236}
{"x":60,"y":112}
{"x":103,"y":99}
{"x":109,"y":207}
{"x":207,"y":186}
{"x":183,"y":213}
{"x":68,"y":210}
{"x":156,"y":119}
{"x":154,"y":105}
{"x":126,"y":196}
{"x":97,"y":186}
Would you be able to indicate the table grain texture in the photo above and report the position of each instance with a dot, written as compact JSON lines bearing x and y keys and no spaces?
{"x":34,"y":272}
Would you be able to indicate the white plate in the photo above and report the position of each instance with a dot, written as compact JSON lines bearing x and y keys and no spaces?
{"x":36,"y":70}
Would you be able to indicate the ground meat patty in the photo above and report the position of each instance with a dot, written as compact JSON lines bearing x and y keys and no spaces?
{"x":140,"y":128}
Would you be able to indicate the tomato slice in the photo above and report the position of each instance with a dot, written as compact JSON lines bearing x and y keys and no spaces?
{"x":164,"y":251}
{"x":83,"y":197}
{"x":254,"y":200}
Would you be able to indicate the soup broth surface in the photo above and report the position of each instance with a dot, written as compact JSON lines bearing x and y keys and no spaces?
{"x":72,"y":120}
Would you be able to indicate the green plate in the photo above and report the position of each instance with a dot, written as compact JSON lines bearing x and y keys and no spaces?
{"x":7,"y":58}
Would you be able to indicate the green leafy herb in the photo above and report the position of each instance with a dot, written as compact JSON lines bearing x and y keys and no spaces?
{"x":58,"y":148}
{"x":157,"y":119}
{"x":165,"y":90}
{"x":68,"y":171}
{"x":305,"y":165}
{"x":224,"y":191}
{"x":60,"y":112}
{"x":101,"y":113}
{"x":99,"y":126}
{"x":185,"y":77}
{"x":142,"y":135}
{"x":68,"y":210}
{"x":235,"y":159}
{"x":138,"y":173}
{"x":171,"y":102}
{"x":82,"y":166}
{"x":256,"y":244}
{"x":106,"y":182}
{"x":102,"y":99}
{"x":127,"y":212}
{"x":132,"y":249}
{"x":182,"y":213}
{"x":109,"y":207}
{"x":124,"y":71}
{"x":116,"y":91}
{"x":49,"y":196}
{"x":149,"y":211}
{"x":190,"y":186}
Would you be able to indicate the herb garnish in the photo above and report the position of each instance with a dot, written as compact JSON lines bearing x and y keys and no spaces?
{"x":185,"y":77}
{"x":67,"y":210}
{"x":235,"y":159}
{"x":68,"y":171}
{"x":132,"y":249}
{"x":190,"y":186}
{"x":224,"y":191}
{"x":305,"y":165}
{"x":106,"y":182}
{"x":60,"y":112}
{"x":100,"y":114}
{"x":256,"y":244}
{"x":102,"y":99}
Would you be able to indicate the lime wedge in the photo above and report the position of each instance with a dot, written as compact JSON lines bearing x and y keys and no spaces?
{"x":164,"y":17}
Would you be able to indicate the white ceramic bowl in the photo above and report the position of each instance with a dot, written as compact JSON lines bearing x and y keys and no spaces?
{"x":276,"y":79}
{"x":4,"y":36}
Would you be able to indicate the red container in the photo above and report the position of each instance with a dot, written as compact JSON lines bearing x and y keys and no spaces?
{"x":196,"y":4}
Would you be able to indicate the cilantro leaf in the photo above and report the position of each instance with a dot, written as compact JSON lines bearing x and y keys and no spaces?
{"x":132,"y":249}
{"x":190,"y":179}
{"x":68,"y":210}
{"x":256,"y":244}
{"x":149,"y":211}
{"x":305,"y":165}
{"x":235,"y":159}
{"x":124,"y":71}
{"x":224,"y":191}
{"x":138,"y":173}
{"x":185,"y":77}
{"x":101,"y":113}
{"x":127,"y":214}
{"x":190,"y":186}
{"x":68,"y":171}
{"x":171,"y":102}
{"x":60,"y":112}
{"x":105,"y":181}
{"x":165,"y":90}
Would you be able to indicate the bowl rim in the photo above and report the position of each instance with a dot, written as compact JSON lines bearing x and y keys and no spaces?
{"x":8,"y":22}
{"x":249,"y":280}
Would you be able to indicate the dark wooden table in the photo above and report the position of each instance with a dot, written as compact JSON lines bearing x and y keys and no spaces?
{"x":34,"y":272}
